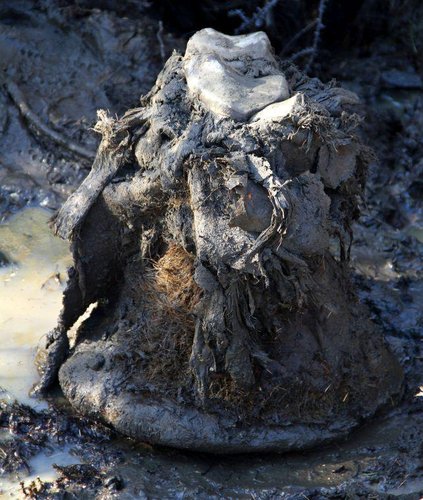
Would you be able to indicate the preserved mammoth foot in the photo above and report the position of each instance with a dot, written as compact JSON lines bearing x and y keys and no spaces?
{"x":214,"y":234}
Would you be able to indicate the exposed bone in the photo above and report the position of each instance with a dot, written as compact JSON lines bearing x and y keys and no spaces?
{"x":233,"y":76}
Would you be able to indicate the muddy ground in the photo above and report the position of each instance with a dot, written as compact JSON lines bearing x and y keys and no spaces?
{"x":68,"y":61}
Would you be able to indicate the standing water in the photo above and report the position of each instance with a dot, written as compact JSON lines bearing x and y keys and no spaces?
{"x":31,"y":286}
{"x":30,"y":297}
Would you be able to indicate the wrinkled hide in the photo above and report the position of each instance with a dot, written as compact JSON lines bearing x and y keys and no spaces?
{"x":213,"y":232}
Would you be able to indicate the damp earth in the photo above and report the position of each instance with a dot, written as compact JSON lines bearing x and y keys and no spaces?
{"x":43,"y":442}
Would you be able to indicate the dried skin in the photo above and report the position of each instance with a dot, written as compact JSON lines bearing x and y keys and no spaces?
{"x":217,"y":287}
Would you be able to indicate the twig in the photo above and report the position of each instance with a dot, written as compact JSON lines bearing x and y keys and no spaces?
{"x":301,"y":53}
{"x":317,"y":32}
{"x":296,"y":37}
{"x":316,"y":38}
{"x":246,"y":21}
{"x":160,"y":39}
{"x":257,"y":20}
{"x":18,"y":98}
{"x":403,"y":482}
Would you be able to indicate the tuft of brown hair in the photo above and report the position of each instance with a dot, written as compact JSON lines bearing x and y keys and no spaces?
{"x":175,"y":278}
{"x":170,"y":295}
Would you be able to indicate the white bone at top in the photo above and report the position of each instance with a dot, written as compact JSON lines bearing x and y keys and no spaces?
{"x":233,"y":76}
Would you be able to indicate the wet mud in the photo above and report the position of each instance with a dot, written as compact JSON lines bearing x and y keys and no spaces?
{"x":66,"y":62}
{"x":383,"y":459}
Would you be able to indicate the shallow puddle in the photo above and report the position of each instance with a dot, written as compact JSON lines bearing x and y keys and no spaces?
{"x":41,"y":466}
{"x":30,"y":296}
{"x":30,"y":300}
